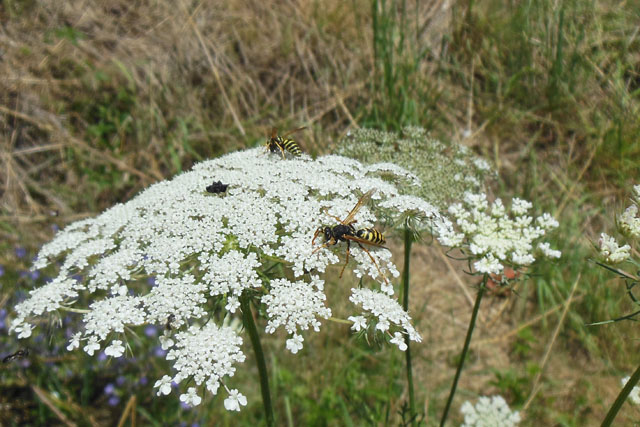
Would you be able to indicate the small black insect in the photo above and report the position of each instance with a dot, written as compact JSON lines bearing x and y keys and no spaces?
{"x":170,"y":320}
{"x":17,"y":355}
{"x":217,"y":187}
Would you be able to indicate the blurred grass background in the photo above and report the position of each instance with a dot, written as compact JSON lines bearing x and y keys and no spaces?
{"x":100,"y":99}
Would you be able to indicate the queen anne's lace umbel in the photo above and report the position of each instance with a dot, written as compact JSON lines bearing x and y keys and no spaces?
{"x":494,"y":235}
{"x":489,"y":412}
{"x":206,"y":251}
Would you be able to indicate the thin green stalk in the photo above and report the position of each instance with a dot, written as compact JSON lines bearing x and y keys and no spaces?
{"x":465,"y":349}
{"x":250,"y":327}
{"x":408,"y":240}
{"x":613,"y":411}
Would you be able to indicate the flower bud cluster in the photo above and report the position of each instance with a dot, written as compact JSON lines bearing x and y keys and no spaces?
{"x":445,"y":171}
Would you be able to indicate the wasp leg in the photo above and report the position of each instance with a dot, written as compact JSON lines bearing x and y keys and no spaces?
{"x":347,"y":261}
{"x":281,"y":150}
{"x":324,"y":245}
{"x":374,"y":262}
{"x":318,"y":231}
{"x":324,"y":211}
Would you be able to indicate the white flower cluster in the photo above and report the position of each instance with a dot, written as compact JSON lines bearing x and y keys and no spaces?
{"x":295,"y":305}
{"x":629,"y":221}
{"x":493,"y":235}
{"x":205,"y":354}
{"x":634,"y":396}
{"x":489,"y":412}
{"x":208,"y":250}
{"x":610,"y":251}
{"x":387,"y":313}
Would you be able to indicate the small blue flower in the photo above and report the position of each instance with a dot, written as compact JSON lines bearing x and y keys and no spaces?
{"x":159,"y":352}
{"x":183,"y":405}
{"x":143,"y":380}
{"x":120,"y":380}
{"x":21,"y":252}
{"x":151,"y":280}
{"x":3,"y":313}
{"x":102,"y":356}
{"x":151,"y":331}
{"x":1,"y":270}
{"x":109,"y":389}
{"x":34,"y":275}
{"x":113,"y":400}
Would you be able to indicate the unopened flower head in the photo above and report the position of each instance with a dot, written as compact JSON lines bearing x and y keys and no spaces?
{"x":489,"y":412}
{"x":209,"y":250}
{"x":610,"y":251}
{"x":493,"y":236}
{"x":445,"y":170}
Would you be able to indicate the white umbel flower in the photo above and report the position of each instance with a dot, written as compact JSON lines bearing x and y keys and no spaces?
{"x":205,"y":353}
{"x":234,"y":401}
{"x":163,"y":385}
{"x":294,"y":306}
{"x":191,"y":398}
{"x":629,"y":221}
{"x":489,"y":412}
{"x":116,"y":349}
{"x":359,"y":323}
{"x":493,"y":235}
{"x":75,"y":341}
{"x":208,"y":250}
{"x":387,"y":312}
{"x":610,"y":251}
{"x":295,"y":344}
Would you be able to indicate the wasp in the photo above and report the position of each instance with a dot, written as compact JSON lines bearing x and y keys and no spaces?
{"x":281,"y":143}
{"x":346,"y":232}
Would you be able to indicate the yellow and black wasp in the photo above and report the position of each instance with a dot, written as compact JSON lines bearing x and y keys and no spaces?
{"x":346,"y":232}
{"x":280,"y":143}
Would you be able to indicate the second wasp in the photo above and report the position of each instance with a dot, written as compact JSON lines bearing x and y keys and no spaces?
{"x":280,"y":143}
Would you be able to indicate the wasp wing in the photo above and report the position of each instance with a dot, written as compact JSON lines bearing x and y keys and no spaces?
{"x":293,"y":131}
{"x":364,"y":199}
{"x":366,"y":242}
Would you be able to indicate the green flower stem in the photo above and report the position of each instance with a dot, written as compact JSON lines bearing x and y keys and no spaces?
{"x":408,"y":240}
{"x":465,"y":349}
{"x":613,"y":411}
{"x":250,"y":326}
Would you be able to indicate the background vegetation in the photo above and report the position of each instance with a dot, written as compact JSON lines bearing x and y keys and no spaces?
{"x":100,"y":99}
